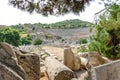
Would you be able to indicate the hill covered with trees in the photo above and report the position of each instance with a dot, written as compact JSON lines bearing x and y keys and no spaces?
{"x":74,"y":23}
{"x":62,"y":31}
{"x":67,"y":24}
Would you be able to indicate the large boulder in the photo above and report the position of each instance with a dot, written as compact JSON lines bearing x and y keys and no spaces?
{"x":30,"y":63}
{"x":25,"y":65}
{"x":8,"y":58}
{"x":7,"y":73}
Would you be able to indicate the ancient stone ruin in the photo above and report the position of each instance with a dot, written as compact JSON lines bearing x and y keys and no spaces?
{"x":16,"y":64}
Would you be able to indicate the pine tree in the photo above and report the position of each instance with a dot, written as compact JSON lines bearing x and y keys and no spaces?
{"x":52,"y":7}
{"x":110,"y":22}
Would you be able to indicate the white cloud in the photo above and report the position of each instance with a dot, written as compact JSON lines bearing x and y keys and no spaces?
{"x":10,"y":15}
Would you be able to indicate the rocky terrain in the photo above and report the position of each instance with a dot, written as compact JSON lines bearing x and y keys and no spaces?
{"x":68,"y":32}
{"x":46,"y":63}
{"x":62,"y":36}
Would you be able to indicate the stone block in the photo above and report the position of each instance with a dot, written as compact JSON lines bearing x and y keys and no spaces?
{"x":109,"y":71}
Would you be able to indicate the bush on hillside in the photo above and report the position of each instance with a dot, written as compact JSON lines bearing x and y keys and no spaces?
{"x":26,"y":40}
{"x":83,"y":41}
{"x":37,"y":41}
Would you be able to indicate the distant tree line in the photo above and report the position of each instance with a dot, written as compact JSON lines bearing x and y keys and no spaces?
{"x":67,"y":24}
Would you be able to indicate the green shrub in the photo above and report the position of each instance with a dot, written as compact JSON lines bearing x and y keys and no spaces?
{"x":38,"y":41}
{"x":107,"y":37}
{"x":26,"y":40}
{"x":83,"y":48}
{"x":100,"y":43}
{"x":10,"y":36}
{"x":83,"y":41}
{"x":48,"y":36}
{"x":62,"y":40}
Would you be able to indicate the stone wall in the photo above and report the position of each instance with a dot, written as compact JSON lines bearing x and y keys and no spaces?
{"x":110,"y":71}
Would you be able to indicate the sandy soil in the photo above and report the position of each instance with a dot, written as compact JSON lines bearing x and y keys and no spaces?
{"x":54,"y":50}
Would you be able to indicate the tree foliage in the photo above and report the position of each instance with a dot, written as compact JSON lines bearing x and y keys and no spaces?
{"x":110,"y":19}
{"x":66,"y":24}
{"x":107,"y":37}
{"x":10,"y":35}
{"x":99,"y":41}
{"x":107,"y":3}
{"x":52,"y":7}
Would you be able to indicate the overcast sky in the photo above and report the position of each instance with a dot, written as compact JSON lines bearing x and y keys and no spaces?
{"x":11,"y":16}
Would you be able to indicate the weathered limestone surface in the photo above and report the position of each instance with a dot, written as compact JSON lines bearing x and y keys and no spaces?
{"x":18,"y":65}
{"x":8,"y":58}
{"x":110,"y":71}
{"x":70,"y":60}
{"x":30,"y":64}
{"x":94,"y":58}
{"x":43,"y":56}
{"x":8,"y":74}
{"x":57,"y":70}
